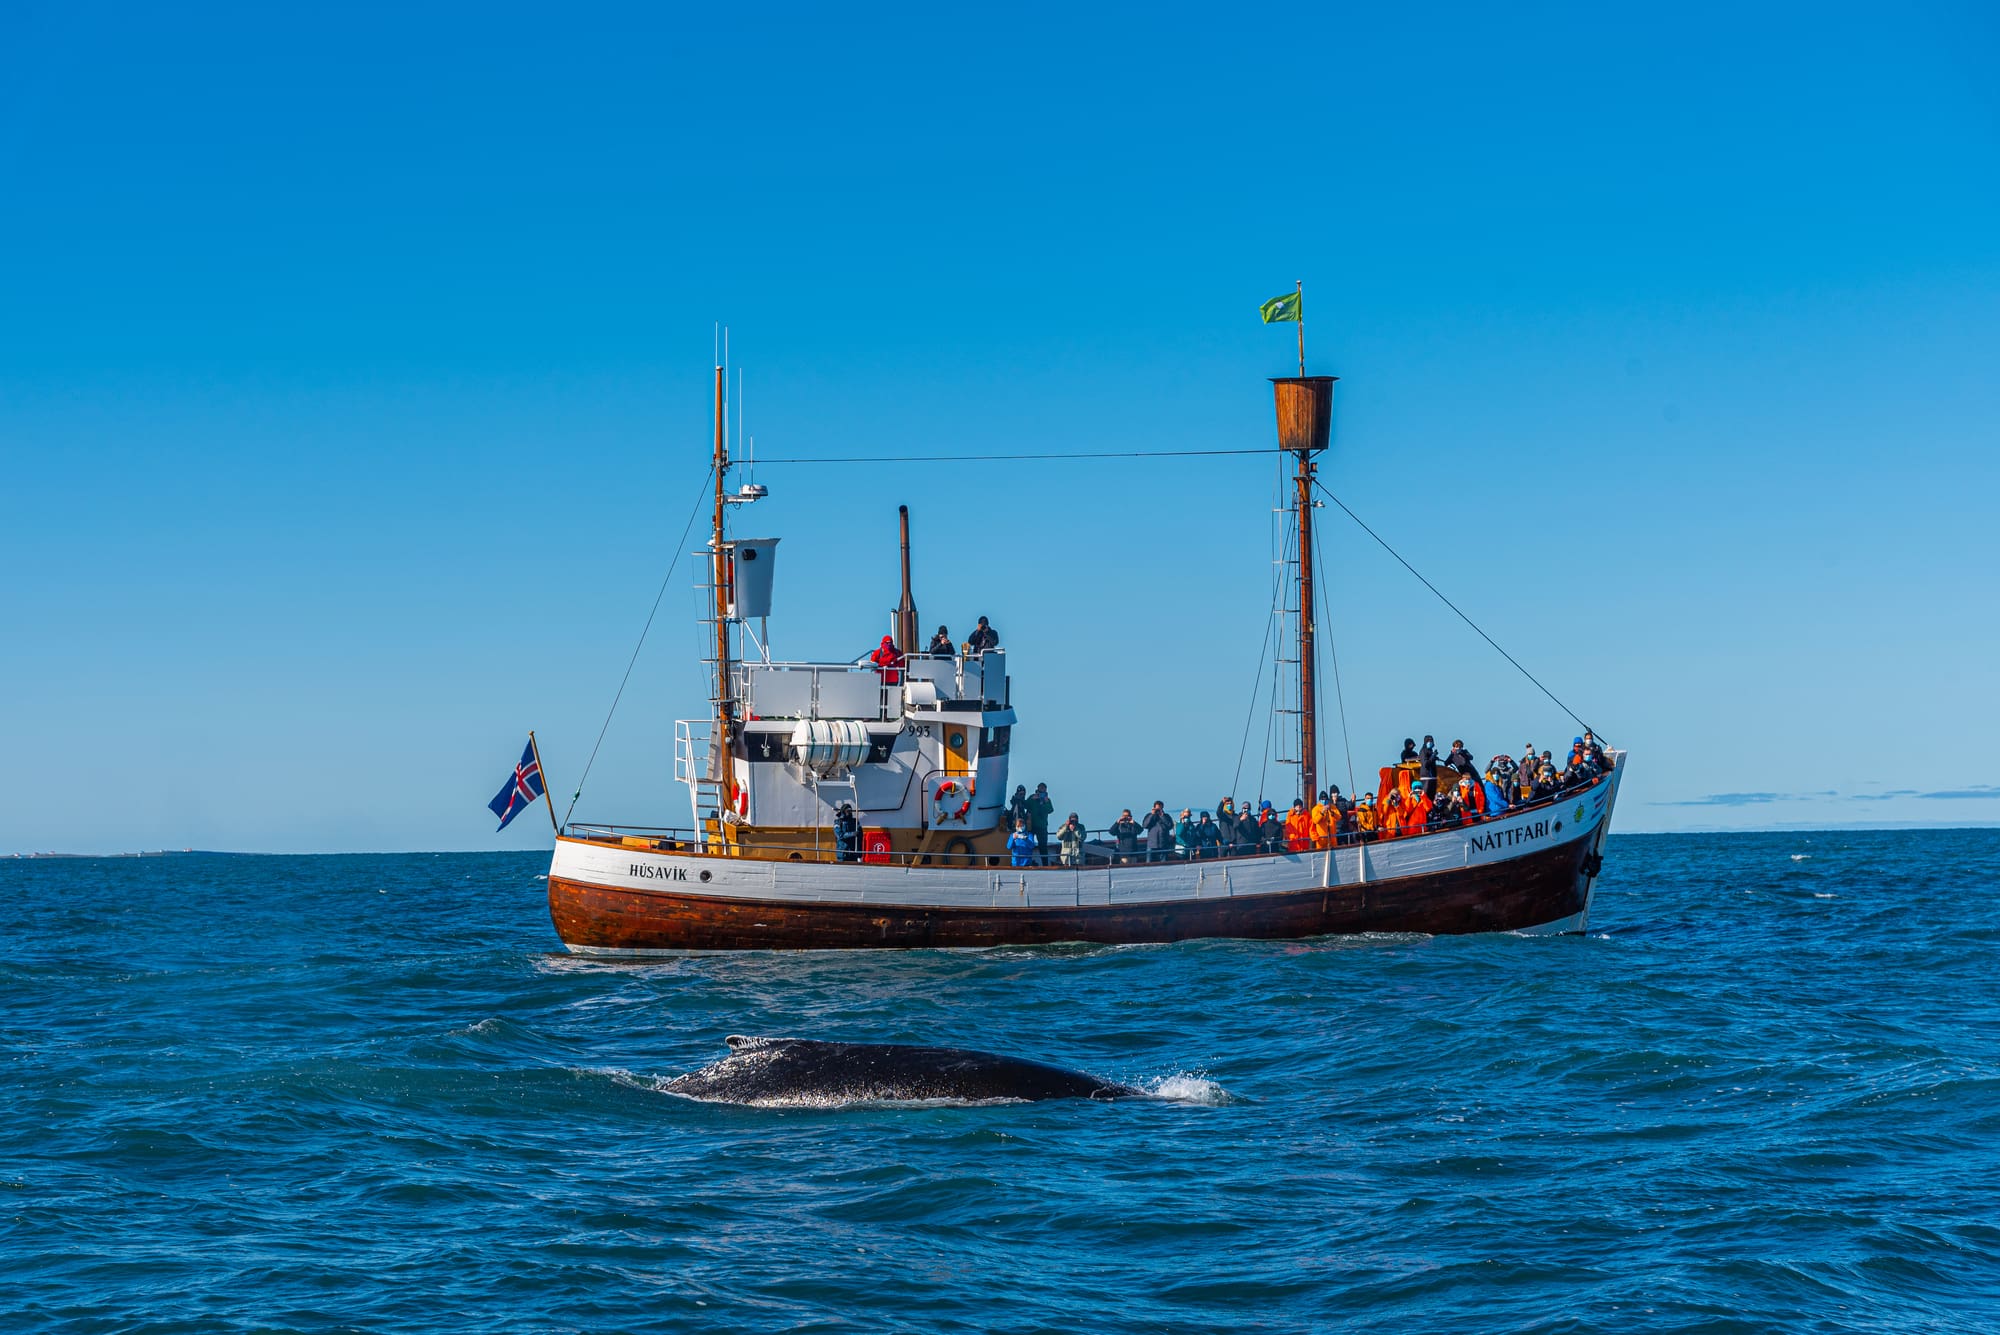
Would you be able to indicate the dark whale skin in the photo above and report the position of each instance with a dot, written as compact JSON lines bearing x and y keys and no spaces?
{"x":808,"y":1073}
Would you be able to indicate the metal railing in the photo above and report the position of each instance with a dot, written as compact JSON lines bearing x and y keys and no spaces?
{"x":1100,"y":847}
{"x":864,"y":690}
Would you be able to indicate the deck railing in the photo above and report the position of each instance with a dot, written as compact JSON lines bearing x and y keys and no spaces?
{"x":1100,"y":846}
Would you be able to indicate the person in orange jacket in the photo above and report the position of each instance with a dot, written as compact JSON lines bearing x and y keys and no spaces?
{"x":1418,"y":816}
{"x":1364,"y":818}
{"x":1471,"y":799}
{"x":1298,"y":828}
{"x":1390,"y":818}
{"x":1323,"y":821}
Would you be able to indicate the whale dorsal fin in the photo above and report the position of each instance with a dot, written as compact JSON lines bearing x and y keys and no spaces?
{"x":745,"y":1043}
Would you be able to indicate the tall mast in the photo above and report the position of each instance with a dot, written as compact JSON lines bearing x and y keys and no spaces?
{"x":1308,"y":693}
{"x":721,"y":578}
{"x":1305,"y":420}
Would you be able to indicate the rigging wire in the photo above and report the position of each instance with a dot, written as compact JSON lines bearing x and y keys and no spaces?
{"x":1256,"y":688}
{"x":1002,"y":458}
{"x":1281,"y":538}
{"x":679,"y":547}
{"x":1454,"y":607}
{"x":1333,"y":652}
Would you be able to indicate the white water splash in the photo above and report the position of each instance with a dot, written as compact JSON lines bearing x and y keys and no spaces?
{"x":1181,"y":1087}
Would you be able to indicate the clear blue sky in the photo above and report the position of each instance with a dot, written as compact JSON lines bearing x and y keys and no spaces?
{"x":354,"y":389}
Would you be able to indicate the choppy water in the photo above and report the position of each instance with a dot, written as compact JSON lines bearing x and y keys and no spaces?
{"x":367,"y":1093}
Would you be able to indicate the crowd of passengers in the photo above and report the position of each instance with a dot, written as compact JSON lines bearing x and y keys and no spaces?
{"x":1421,"y":793}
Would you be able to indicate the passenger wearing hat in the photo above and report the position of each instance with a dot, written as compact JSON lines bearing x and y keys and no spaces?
{"x":1418,"y":817}
{"x":1298,"y":828}
{"x":983,"y":637}
{"x":1248,"y":833}
{"x":1323,"y":823}
{"x":846,"y":833}
{"x":1069,"y":842}
{"x":941,"y":644}
{"x":1270,"y":829}
{"x":888,"y":661}
{"x":1427,"y":765}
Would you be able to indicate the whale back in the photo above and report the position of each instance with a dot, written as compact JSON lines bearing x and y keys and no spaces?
{"x":801,"y":1072}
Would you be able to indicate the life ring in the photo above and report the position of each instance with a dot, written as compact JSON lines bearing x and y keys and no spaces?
{"x":952,"y":801}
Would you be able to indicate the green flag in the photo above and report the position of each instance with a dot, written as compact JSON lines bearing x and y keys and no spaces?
{"x":1281,"y":310}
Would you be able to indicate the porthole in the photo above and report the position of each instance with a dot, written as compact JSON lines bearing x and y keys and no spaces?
{"x":707,"y":875}
{"x":957,"y":741}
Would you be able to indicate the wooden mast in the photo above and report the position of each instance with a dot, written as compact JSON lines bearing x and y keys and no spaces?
{"x":1308,"y":691}
{"x":1305,"y":419}
{"x":721,"y":578}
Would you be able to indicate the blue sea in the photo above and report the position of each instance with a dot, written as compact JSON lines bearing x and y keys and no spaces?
{"x":372,"y":1093}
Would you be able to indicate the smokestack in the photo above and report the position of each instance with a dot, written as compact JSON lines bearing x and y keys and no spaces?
{"x":906,"y":611}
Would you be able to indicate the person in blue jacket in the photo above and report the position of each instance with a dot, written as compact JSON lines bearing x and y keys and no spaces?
{"x":1022,"y":845}
{"x":1496,"y":795}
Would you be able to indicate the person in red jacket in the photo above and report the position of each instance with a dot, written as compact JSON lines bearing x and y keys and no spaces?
{"x":888,"y":660}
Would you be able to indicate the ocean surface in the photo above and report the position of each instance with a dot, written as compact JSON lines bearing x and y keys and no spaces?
{"x":373,"y":1094}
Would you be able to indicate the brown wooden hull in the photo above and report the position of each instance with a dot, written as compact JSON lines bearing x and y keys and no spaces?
{"x":1531,"y":891}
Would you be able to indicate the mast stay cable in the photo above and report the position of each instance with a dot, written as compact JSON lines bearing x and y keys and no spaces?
{"x":1454,"y":607}
{"x":700,"y":495}
{"x":1281,"y":546}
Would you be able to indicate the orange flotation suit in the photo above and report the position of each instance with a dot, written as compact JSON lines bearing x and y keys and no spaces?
{"x":1419,"y":816}
{"x":1298,"y":831}
{"x":1364,"y":818}
{"x":1324,"y":823}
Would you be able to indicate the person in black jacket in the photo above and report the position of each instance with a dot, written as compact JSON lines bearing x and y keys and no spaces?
{"x":846,"y":833}
{"x":983,"y":637}
{"x":1225,"y":821}
{"x":1461,"y":760}
{"x":1207,"y":838}
{"x":941,"y":644}
{"x":1125,"y":833}
{"x":1159,"y":828}
{"x":1040,"y":807}
{"x":1409,"y":750}
{"x":1427,"y":766}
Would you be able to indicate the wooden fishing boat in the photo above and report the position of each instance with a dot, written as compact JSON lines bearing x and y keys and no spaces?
{"x":920,"y":753}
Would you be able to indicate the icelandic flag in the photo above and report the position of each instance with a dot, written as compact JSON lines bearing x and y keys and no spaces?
{"x":521,"y":789}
